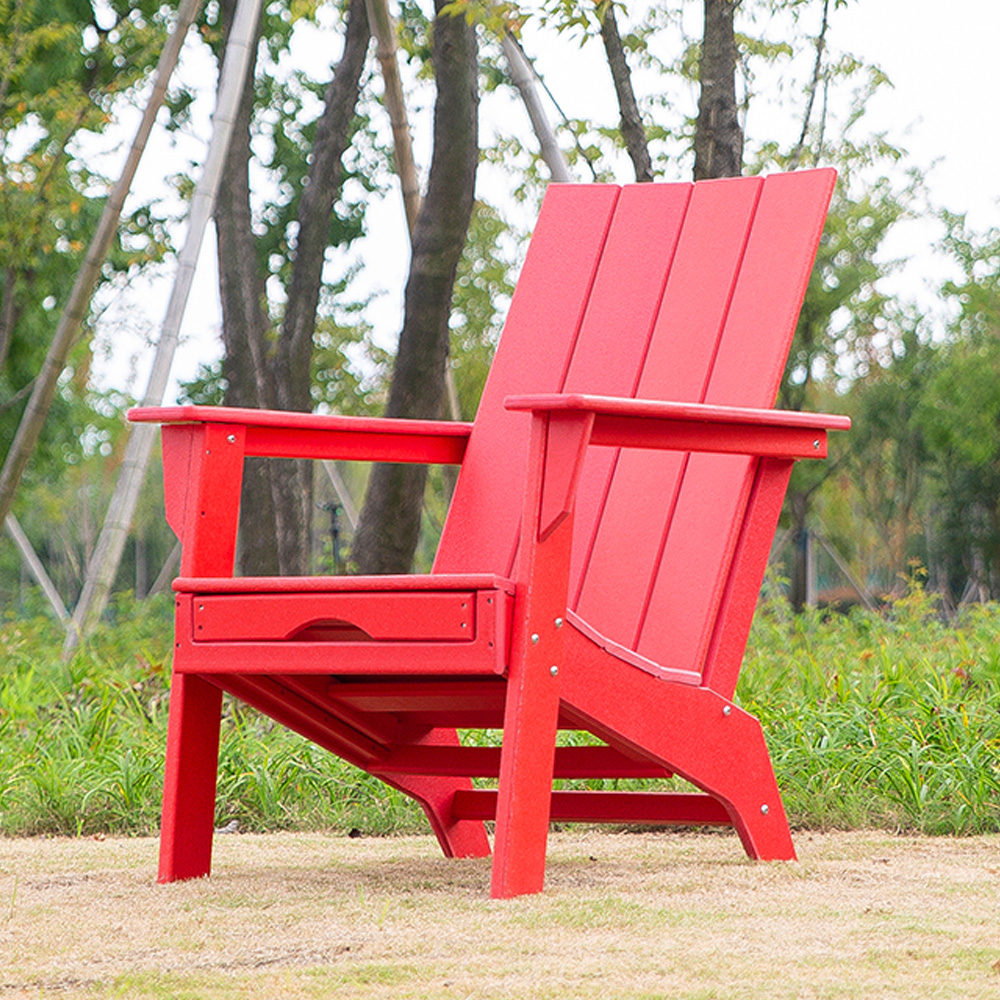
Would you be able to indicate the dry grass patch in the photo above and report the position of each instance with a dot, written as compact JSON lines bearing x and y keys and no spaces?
{"x":862,"y":915}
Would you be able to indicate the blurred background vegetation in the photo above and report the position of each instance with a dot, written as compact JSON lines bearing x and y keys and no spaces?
{"x":884,"y":713}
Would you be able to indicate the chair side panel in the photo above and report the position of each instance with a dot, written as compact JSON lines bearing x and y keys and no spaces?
{"x":688,"y":327}
{"x":480,"y":533}
{"x":694,"y":570}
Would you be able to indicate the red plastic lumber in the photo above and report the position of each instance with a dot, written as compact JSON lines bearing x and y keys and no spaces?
{"x":599,"y":566}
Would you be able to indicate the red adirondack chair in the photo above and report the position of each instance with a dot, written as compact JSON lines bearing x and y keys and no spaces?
{"x":601,"y":560}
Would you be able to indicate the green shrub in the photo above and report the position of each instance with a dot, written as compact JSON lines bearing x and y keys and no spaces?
{"x":888,"y":720}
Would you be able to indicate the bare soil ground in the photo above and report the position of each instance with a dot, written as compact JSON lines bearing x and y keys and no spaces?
{"x":861,"y":915}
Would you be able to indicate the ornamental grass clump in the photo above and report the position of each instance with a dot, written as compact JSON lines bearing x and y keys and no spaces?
{"x":886,"y":720}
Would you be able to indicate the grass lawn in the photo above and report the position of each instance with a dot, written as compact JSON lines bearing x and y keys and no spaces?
{"x":861,"y":915}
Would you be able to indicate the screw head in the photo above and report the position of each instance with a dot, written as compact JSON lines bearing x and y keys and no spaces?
{"x":559,"y":623}
{"x":534,"y":638}
{"x":231,"y":439}
{"x":727,"y":710}
{"x":554,"y":670}
{"x":816,"y":445}
{"x":764,"y":809}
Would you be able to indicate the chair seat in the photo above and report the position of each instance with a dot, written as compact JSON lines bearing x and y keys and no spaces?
{"x":447,"y":624}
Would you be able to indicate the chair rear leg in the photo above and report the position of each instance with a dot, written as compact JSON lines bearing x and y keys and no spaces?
{"x":459,"y":838}
{"x":695,"y":733}
{"x":188,"y":818}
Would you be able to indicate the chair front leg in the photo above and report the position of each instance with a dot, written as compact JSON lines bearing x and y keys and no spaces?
{"x":531,"y":713}
{"x":186,"y":826}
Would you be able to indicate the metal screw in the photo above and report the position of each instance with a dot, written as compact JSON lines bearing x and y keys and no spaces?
{"x":231,"y":439}
{"x":727,"y":710}
{"x":764,"y":809}
{"x":559,"y":623}
{"x":534,"y":638}
{"x":554,"y":670}
{"x":816,"y":445}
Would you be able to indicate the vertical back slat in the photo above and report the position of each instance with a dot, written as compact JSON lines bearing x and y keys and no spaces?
{"x":686,"y":337}
{"x":747,"y":371}
{"x":552,"y":292}
{"x":617,"y":327}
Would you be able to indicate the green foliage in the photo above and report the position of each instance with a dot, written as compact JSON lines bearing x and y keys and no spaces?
{"x":881,"y":721}
{"x":63,"y":68}
{"x":81,"y":744}
{"x":925,"y":463}
{"x":874,"y":720}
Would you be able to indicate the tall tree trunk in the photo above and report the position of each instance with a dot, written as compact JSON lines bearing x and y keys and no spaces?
{"x":275,"y":372}
{"x":632,"y":129}
{"x":390,"y":519}
{"x":718,"y":140}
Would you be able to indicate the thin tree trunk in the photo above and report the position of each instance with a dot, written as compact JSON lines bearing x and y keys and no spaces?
{"x":523,"y":77}
{"x":274,"y":372}
{"x":8,"y":312}
{"x":293,"y":492}
{"x":111,"y":542}
{"x":718,"y":141}
{"x":390,"y":520}
{"x":44,"y":390}
{"x":632,"y":129}
{"x":817,"y":75}
{"x":34,"y":565}
{"x":380,"y":21}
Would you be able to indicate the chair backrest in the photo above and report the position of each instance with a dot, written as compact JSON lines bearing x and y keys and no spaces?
{"x":686,"y":292}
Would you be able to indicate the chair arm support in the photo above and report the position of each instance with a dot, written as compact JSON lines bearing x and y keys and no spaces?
{"x":699,"y":427}
{"x":288,"y":434}
{"x":204,"y":449}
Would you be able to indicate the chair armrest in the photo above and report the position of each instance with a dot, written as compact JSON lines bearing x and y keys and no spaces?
{"x":288,"y":434}
{"x":641,"y":423}
{"x":573,"y":421}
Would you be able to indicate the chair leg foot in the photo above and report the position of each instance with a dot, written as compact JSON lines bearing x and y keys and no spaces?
{"x":459,"y":838}
{"x":762,"y":825}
